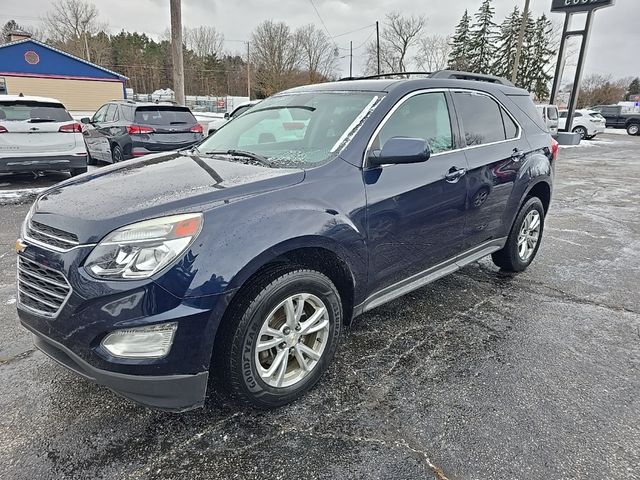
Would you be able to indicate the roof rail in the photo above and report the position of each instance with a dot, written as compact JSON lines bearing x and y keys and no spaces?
{"x":450,"y":74}
{"x":479,"y":77}
{"x":384,"y":75}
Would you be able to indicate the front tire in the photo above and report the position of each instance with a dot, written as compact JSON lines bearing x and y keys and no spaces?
{"x":581,"y":131}
{"x":280,"y":338}
{"x":117,"y":155}
{"x":524,"y":239}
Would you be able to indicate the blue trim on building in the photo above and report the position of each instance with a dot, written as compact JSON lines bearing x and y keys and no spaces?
{"x":50,"y":62}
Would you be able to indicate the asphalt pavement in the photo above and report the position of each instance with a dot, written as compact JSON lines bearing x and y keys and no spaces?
{"x":480,"y":375}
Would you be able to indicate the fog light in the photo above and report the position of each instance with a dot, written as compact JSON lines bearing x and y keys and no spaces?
{"x":142,"y":342}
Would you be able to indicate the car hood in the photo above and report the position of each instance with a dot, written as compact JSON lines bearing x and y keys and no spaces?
{"x":93,"y":204}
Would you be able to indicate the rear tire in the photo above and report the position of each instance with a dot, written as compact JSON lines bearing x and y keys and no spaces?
{"x":91,"y":161}
{"x":524,"y":239}
{"x":244,"y":355}
{"x":78,"y":171}
{"x":117,"y":155}
{"x":633,"y":129}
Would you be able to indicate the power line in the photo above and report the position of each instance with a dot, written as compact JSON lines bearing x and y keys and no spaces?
{"x":320,"y":17}
{"x":354,"y":31}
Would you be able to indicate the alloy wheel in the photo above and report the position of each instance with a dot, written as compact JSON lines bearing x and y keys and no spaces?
{"x":292,"y":340}
{"x":529,"y":235}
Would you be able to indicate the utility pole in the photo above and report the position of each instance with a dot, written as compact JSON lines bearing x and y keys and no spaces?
{"x":523,"y":26}
{"x":176,"y":51}
{"x":248,"y":73}
{"x":351,"y":59}
{"x":86,"y":46}
{"x":378,"y":44}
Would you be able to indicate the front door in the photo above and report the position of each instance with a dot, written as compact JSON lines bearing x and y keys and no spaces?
{"x":415,"y":214}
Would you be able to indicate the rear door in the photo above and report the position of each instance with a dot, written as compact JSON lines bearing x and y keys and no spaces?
{"x":33,"y":127}
{"x":495,"y":150}
{"x":415,"y":215}
{"x":171,"y":127}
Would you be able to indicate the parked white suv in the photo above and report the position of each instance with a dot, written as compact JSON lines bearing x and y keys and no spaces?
{"x":588,"y":123}
{"x":239,"y":110}
{"x":37,"y":134}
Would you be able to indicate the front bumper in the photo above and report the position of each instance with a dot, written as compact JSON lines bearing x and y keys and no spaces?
{"x":174,"y":393}
{"x":38,"y":164}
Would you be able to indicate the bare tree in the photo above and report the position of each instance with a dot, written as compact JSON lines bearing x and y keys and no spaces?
{"x":316,"y":52}
{"x":204,"y":41}
{"x":71,"y":24}
{"x":597,"y":89}
{"x":398,"y":37}
{"x":433,"y":53}
{"x":275,"y":56}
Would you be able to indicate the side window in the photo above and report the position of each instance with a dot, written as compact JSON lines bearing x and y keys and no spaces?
{"x":481,"y":118}
{"x":111,"y":113}
{"x":563,"y":114}
{"x":510,"y":127}
{"x":128,"y":113}
{"x":100,"y":115}
{"x":422,"y":116}
{"x":576,"y":114}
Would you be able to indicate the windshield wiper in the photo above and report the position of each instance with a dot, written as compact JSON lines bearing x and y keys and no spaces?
{"x":242,"y":153}
{"x":280,"y":107}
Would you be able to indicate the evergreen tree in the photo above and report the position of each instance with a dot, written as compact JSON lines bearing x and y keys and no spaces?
{"x":634,"y":87}
{"x":482,"y":39}
{"x":10,"y":26}
{"x":459,"y":56}
{"x":540,"y":58}
{"x":507,"y":41}
{"x":527,"y":69}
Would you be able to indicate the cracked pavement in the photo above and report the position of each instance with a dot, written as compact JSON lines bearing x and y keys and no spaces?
{"x":480,"y":375}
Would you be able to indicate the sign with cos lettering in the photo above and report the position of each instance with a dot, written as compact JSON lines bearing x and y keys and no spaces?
{"x":579,"y":5}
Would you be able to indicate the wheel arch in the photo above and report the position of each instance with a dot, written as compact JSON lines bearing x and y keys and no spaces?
{"x":542,"y":190}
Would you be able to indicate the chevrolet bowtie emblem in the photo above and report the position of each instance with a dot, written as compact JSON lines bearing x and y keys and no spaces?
{"x":20,"y":246}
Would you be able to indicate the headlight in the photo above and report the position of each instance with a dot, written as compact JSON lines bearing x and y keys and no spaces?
{"x":142,"y":342}
{"x":142,"y":249}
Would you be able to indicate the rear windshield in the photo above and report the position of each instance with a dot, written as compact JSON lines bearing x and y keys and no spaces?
{"x":23,"y":110}
{"x":552,"y":113}
{"x":164,"y":115}
{"x":524,"y":103}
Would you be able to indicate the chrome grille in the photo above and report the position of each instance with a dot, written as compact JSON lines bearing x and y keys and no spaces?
{"x":51,"y":236}
{"x":41,"y":289}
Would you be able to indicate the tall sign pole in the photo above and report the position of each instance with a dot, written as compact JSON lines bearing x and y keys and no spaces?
{"x":176,"y":51}
{"x":570,"y":8}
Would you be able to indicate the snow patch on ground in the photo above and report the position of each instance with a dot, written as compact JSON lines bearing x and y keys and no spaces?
{"x":14,"y":196}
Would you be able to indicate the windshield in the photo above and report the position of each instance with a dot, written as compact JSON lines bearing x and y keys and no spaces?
{"x":26,"y":110}
{"x":294,"y":130}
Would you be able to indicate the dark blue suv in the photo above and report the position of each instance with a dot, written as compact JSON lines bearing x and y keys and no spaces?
{"x":243,"y":257}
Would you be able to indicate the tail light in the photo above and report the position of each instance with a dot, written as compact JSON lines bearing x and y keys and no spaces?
{"x":3,"y":130}
{"x":554,"y":149}
{"x":139,"y":129}
{"x":74,"y":127}
{"x":197,"y":128}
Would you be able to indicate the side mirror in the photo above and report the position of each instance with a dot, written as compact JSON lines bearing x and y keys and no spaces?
{"x":227,"y":116}
{"x":85,"y":120}
{"x":401,"y":150}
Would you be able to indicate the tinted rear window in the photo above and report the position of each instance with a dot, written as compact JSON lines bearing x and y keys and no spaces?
{"x":21,"y":110}
{"x":524,"y":103}
{"x":552,"y":113}
{"x":162,"y":115}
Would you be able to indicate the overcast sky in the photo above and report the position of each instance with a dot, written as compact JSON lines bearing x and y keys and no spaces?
{"x":613,"y":47}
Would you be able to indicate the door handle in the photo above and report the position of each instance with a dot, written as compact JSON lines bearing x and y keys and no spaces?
{"x":454,"y":174}
{"x":517,"y":155}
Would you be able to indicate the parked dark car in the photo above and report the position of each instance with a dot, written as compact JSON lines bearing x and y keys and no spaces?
{"x":245,"y":255}
{"x":124,"y":129}
{"x":615,"y":118}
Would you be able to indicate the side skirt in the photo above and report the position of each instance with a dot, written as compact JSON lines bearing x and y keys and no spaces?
{"x":430,"y":275}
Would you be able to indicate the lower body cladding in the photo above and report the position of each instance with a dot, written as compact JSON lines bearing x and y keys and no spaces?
{"x":176,"y":380}
{"x":139,"y":149}
{"x":44,"y":163}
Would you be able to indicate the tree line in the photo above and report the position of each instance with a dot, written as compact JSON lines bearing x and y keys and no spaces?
{"x":281,"y":57}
